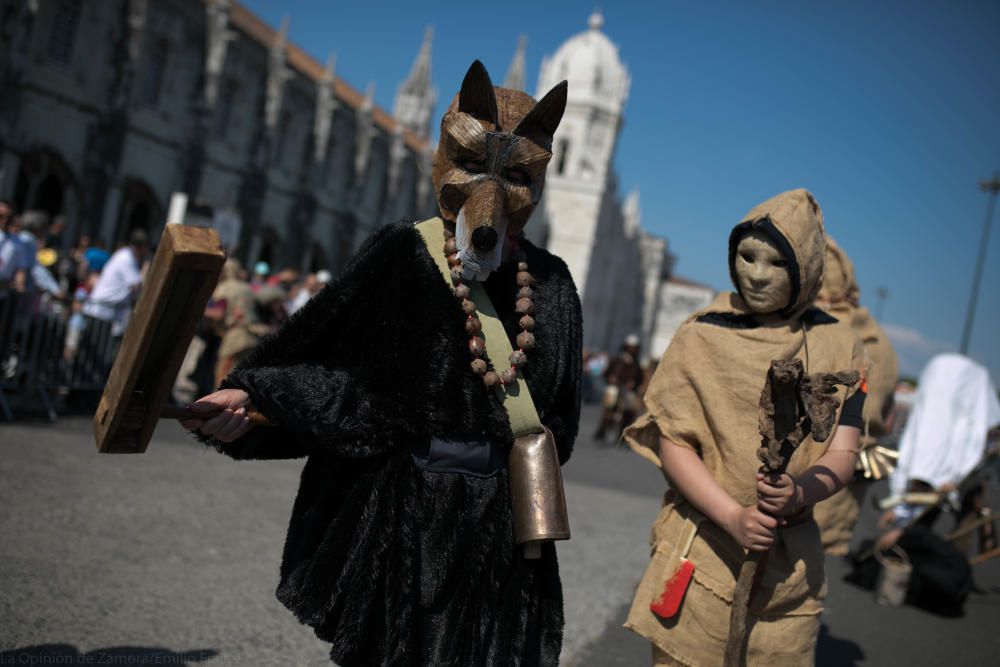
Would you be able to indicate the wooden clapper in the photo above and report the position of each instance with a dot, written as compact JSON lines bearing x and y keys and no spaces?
{"x":176,"y":289}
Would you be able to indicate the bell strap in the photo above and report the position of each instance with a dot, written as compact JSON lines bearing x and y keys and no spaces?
{"x":517,"y":399}
{"x":692,"y":522}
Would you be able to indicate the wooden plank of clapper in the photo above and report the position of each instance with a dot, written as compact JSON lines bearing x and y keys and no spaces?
{"x":179,"y":283}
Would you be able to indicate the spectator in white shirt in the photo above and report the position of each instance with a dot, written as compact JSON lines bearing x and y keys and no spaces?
{"x":36,"y":225}
{"x":12,"y":275}
{"x":118,"y":286}
{"x":312,"y":285}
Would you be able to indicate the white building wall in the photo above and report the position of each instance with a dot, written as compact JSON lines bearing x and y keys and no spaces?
{"x":678,"y":301}
{"x":586,"y":223}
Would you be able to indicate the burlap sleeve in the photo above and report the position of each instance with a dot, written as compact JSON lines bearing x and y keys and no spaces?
{"x":882,"y":377}
{"x":673,"y":408}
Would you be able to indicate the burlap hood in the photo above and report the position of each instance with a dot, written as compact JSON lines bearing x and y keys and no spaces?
{"x":794,"y":221}
{"x":839,"y":287}
{"x":839,"y":296}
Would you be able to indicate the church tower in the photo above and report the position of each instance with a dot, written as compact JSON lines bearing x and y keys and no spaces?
{"x":515,"y":73}
{"x":416,"y":97}
{"x":582,"y":210}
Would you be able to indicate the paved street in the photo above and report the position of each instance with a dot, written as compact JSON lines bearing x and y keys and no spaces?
{"x":172,"y":558}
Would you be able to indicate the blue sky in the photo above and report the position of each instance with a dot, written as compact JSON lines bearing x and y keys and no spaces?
{"x":889,"y":112}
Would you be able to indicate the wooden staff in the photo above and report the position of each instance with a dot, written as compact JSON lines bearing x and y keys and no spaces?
{"x":793,"y":405}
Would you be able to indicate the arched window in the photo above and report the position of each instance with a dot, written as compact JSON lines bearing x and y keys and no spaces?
{"x":62,"y":35}
{"x":156,"y":70}
{"x":42,"y":182}
{"x":140,"y":209}
{"x":597,"y":80}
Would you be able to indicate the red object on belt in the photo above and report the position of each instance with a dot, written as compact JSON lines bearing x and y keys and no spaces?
{"x":673,"y":591}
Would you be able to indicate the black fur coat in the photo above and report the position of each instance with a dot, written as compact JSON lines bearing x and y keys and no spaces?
{"x":391,"y":563}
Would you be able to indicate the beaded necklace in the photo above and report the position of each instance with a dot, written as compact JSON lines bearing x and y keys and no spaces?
{"x":477,"y":346}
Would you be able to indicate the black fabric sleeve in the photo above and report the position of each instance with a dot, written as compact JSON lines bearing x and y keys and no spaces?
{"x":326,"y":407}
{"x":853,"y":408}
{"x":307,"y":379}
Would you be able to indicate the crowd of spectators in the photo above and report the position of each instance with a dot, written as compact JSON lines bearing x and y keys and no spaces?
{"x":86,"y":281}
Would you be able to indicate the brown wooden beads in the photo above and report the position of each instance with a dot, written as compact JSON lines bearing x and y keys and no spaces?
{"x":524,"y":306}
{"x":477,"y":346}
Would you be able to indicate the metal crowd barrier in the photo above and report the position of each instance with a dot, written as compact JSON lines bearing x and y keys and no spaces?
{"x":36,"y":367}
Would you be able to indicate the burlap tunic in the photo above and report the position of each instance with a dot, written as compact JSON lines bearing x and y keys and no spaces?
{"x":838,"y":295}
{"x":705,"y":396}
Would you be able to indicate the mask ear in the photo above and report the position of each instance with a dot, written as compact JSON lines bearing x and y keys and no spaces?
{"x":541,"y":122}
{"x":477,"y":97}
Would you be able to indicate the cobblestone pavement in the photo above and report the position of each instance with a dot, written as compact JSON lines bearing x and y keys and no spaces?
{"x":171,"y":558}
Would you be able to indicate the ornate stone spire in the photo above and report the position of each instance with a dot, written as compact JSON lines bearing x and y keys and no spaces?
{"x":365,"y":132}
{"x":515,"y":73}
{"x":631,"y":211}
{"x":416,"y":97}
{"x":217,"y":38}
{"x":326,"y":104}
{"x":277,"y":74}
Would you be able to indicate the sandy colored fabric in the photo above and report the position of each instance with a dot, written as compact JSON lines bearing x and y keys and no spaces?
{"x":241,"y":313}
{"x":696,"y":636}
{"x":704,"y":395}
{"x":838,"y":296}
{"x":839,"y":284}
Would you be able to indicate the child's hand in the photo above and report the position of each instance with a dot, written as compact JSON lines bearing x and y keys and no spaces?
{"x":225,"y":415}
{"x":778,"y":494}
{"x":751,"y":528}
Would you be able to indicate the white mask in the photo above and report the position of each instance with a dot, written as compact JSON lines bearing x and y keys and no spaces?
{"x":762,"y":272}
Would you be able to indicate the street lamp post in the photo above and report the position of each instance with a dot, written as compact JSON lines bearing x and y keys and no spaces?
{"x":992,"y":187}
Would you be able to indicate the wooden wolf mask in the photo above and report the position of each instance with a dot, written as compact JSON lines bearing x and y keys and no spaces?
{"x":489,"y":166}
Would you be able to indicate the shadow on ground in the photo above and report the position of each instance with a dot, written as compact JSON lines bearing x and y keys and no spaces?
{"x":65,"y":654}
{"x":835,"y":652}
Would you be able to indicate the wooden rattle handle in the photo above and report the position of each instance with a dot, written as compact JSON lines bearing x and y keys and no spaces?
{"x":181,"y":412}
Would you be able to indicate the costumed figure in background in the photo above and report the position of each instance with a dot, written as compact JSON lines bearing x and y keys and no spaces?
{"x":401,"y":546}
{"x":838,"y":296}
{"x":234,"y":313}
{"x":941,"y":454}
{"x":944,"y":441}
{"x":621,"y":400}
{"x":701,"y":428}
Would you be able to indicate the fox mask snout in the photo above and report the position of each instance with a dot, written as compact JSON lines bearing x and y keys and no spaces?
{"x":489,"y":166}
